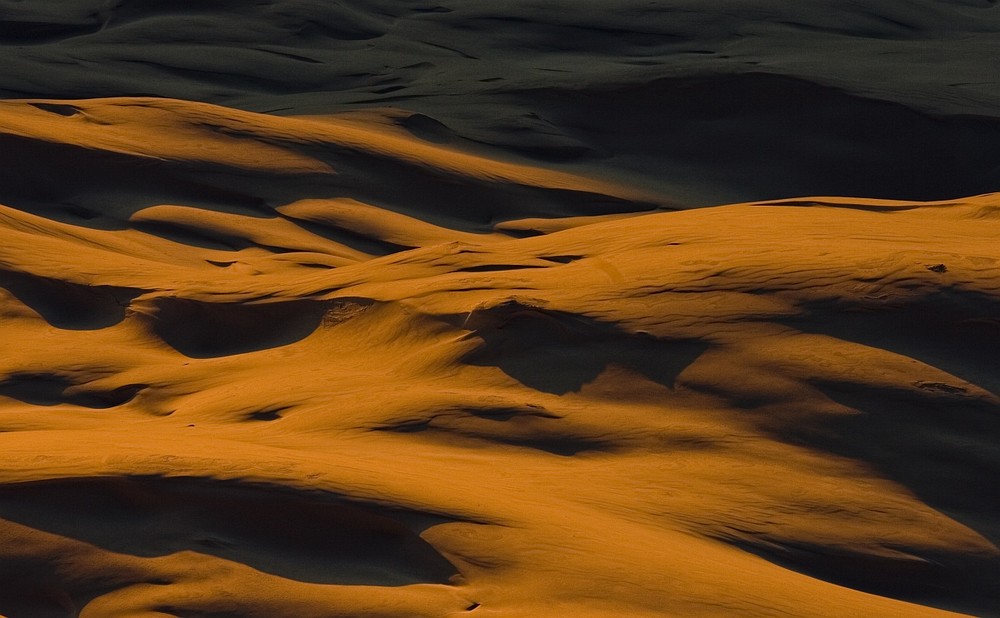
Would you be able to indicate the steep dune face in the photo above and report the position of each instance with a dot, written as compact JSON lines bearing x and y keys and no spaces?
{"x":474,"y":354}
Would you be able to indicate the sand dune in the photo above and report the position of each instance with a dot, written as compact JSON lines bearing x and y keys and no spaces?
{"x":394,"y":309}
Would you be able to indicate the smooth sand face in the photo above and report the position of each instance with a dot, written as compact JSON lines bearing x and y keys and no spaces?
{"x":364,"y":365}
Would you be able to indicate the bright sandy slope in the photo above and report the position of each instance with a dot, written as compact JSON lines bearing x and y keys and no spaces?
{"x":260,"y":366}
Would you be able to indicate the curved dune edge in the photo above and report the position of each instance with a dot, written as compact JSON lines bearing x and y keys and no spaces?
{"x":141,"y":132}
{"x":436,"y":407}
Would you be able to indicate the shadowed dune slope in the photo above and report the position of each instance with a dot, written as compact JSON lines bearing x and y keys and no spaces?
{"x":738,"y":100}
{"x":119,"y":157}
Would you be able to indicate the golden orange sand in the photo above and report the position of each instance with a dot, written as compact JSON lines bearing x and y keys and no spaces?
{"x":309,"y":404}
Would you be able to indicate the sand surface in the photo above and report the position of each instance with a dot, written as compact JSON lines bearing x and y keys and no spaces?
{"x":525,"y":309}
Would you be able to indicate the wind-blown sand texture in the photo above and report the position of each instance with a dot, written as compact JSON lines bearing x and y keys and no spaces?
{"x":399,"y":309}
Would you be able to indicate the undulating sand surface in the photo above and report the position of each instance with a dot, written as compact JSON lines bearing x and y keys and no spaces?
{"x":528,"y":309}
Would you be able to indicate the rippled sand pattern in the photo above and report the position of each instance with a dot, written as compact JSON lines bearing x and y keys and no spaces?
{"x":398,"y":309}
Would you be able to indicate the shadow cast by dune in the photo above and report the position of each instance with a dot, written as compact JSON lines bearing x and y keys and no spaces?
{"x":946,"y":455}
{"x":939,"y":445}
{"x":69,"y":306}
{"x":758,"y":136}
{"x":101,"y":189}
{"x":955,"y":330}
{"x":934,"y":438}
{"x":208,"y":330}
{"x":43,"y":389}
{"x":558,"y":352}
{"x":934,"y":582}
{"x":349,"y":238}
{"x":551,"y":442}
{"x":304,"y":536}
{"x":530,"y":427}
{"x":444,"y":197}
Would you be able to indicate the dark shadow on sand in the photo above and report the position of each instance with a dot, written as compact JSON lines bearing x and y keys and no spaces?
{"x":69,"y":306}
{"x":200,"y":329}
{"x":937,"y":439}
{"x":558,"y":352}
{"x":310,"y":537}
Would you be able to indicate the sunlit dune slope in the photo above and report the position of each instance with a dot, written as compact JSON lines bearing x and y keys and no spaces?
{"x":116,"y":157}
{"x":260,"y":366}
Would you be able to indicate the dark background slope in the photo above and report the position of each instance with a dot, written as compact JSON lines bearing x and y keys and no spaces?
{"x":709,"y":102}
